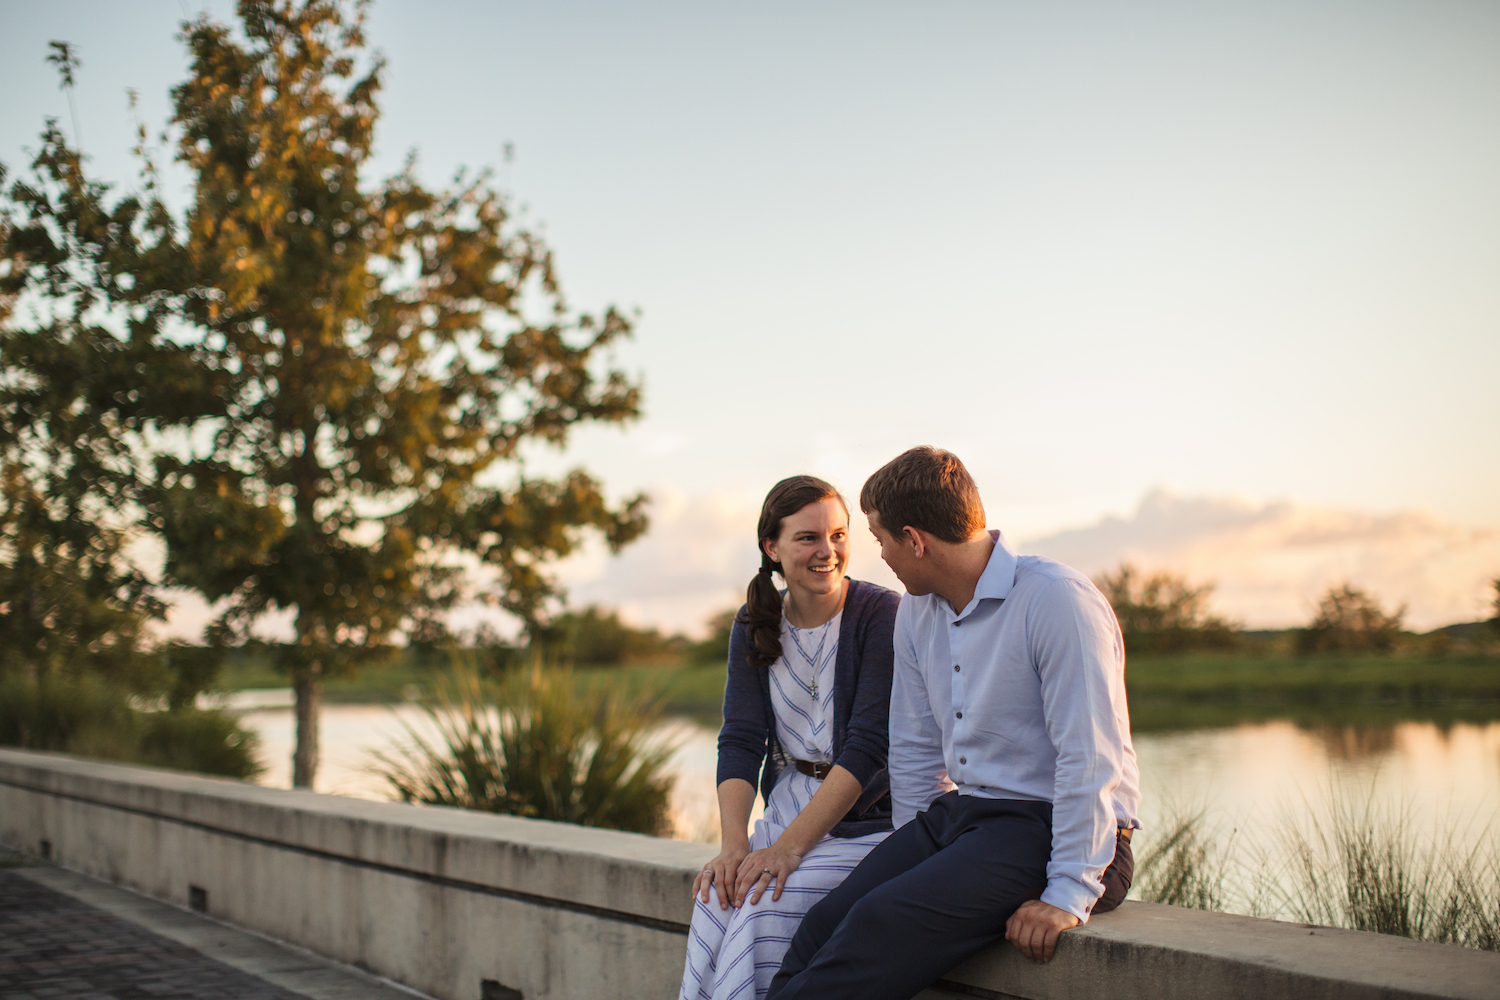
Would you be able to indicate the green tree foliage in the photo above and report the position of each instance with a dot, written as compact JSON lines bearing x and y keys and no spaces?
{"x":317,"y":388}
{"x":1350,"y":620}
{"x":1162,"y":613}
{"x":597,"y":637}
{"x":536,"y":745}
{"x":70,"y":599}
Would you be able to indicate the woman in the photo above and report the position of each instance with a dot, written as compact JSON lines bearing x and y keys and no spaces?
{"x":806,"y":711}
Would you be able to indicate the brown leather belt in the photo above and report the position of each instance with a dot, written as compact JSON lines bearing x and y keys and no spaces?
{"x":1125,"y":832}
{"x":818,"y":769}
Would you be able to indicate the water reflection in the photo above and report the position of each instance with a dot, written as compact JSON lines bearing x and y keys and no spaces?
{"x":1247,"y":779}
{"x":1352,"y":743}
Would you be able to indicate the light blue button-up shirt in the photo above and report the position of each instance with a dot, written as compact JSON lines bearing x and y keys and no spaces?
{"x":1021,"y":695}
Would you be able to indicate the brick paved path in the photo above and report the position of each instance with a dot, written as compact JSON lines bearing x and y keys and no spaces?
{"x":52,"y":946}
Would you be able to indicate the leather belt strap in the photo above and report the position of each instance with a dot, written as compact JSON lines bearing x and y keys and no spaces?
{"x":818,"y":769}
{"x":1125,"y":832}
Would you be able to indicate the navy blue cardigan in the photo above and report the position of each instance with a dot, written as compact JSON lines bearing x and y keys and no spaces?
{"x":748,"y":747}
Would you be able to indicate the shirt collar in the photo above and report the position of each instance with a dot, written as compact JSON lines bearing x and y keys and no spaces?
{"x":998,"y":578}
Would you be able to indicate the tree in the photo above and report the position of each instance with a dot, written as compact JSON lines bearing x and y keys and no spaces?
{"x":1350,"y":620}
{"x":597,"y":637}
{"x":1162,"y":613}
{"x":334,"y":379}
{"x":70,"y":600}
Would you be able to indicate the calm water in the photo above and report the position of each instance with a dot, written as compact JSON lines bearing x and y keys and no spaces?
{"x":1249,"y":779}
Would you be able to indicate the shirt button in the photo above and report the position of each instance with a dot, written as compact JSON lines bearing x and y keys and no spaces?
{"x":955,"y":668}
{"x":963,"y":760}
{"x":959,"y":715}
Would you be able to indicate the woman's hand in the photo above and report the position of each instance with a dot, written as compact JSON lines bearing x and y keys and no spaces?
{"x":721,"y":871}
{"x":759,"y":868}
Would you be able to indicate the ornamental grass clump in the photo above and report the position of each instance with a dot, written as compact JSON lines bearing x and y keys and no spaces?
{"x":1184,"y":868}
{"x":538,"y":744}
{"x":1360,"y":867}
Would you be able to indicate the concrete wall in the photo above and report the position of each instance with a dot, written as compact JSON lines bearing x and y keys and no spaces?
{"x":442,"y":899}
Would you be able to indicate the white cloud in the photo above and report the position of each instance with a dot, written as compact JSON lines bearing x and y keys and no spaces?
{"x":1272,"y":560}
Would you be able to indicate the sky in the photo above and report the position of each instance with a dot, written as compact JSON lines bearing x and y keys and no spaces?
{"x":1128,"y":260}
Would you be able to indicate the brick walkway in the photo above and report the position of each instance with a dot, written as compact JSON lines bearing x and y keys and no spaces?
{"x":53,"y":946}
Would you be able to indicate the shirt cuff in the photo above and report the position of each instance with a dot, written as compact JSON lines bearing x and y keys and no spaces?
{"x":1068,"y":894}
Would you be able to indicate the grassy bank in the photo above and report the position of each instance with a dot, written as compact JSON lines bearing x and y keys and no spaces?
{"x":1198,"y":690}
{"x":1167,"y":691}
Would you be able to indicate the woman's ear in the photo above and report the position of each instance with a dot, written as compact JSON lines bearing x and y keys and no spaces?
{"x":768,"y":546}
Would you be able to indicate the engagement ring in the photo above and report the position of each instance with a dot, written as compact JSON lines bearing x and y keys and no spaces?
{"x":767,"y":871}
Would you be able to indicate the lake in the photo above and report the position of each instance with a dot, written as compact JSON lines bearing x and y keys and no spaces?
{"x":1248,"y":780}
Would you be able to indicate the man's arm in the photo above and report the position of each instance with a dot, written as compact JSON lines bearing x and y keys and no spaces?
{"x":1079,"y":655}
{"x":916,"y":754}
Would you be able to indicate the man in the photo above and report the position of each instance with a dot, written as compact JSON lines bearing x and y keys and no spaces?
{"x":1013,"y":780}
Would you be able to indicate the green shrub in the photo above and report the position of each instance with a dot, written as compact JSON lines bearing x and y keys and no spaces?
{"x":83,"y":715}
{"x":1161,"y":613}
{"x":538,"y":744}
{"x":1350,"y":620}
{"x":714,"y":650}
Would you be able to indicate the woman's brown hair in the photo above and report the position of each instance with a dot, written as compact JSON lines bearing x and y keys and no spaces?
{"x":762,"y":611}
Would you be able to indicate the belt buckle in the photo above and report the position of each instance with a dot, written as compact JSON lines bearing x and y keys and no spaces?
{"x":822,"y":769}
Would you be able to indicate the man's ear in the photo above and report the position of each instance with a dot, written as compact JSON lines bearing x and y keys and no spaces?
{"x":913,"y":537}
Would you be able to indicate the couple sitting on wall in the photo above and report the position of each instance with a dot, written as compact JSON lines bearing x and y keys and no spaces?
{"x":940,"y":769}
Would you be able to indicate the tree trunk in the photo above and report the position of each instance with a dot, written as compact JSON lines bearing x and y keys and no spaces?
{"x":308,"y":684}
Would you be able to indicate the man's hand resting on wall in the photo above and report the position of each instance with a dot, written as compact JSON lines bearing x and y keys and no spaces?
{"x":1034,"y":928}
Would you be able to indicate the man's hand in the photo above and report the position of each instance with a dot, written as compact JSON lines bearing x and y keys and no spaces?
{"x":1035,"y":926}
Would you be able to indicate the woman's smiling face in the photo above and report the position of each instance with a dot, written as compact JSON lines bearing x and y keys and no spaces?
{"x":813,"y":548}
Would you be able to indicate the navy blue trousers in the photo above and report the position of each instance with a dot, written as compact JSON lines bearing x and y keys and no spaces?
{"x":930,"y":895}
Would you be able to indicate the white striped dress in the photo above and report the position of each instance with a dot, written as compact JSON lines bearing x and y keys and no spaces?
{"x":732,"y":954}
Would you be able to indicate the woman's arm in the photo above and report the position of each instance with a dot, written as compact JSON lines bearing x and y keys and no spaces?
{"x":829,"y":805}
{"x":736,"y":796}
{"x":745,"y":735}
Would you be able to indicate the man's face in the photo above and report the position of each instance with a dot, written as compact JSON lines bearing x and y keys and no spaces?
{"x":899,"y":554}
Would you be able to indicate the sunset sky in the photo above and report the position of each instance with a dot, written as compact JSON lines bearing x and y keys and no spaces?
{"x":1209,"y":286}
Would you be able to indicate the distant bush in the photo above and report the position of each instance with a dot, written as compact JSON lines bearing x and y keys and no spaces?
{"x":597,"y":637}
{"x":1495,"y":604}
{"x":535,"y":745}
{"x":1161,"y":613}
{"x":714,"y":649}
{"x":86,"y":716}
{"x":1350,"y":620}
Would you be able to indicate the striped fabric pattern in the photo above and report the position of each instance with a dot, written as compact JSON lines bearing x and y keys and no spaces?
{"x":732,"y":954}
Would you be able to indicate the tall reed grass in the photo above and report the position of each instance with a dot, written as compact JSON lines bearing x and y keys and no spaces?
{"x":1363,"y":867}
{"x":538,"y":743}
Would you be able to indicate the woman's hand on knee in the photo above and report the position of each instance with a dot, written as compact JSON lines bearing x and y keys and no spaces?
{"x":721,"y":872}
{"x":761,"y":868}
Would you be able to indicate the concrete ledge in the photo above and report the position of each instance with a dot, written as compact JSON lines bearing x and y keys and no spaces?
{"x":440,"y":899}
{"x":1166,"y":953}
